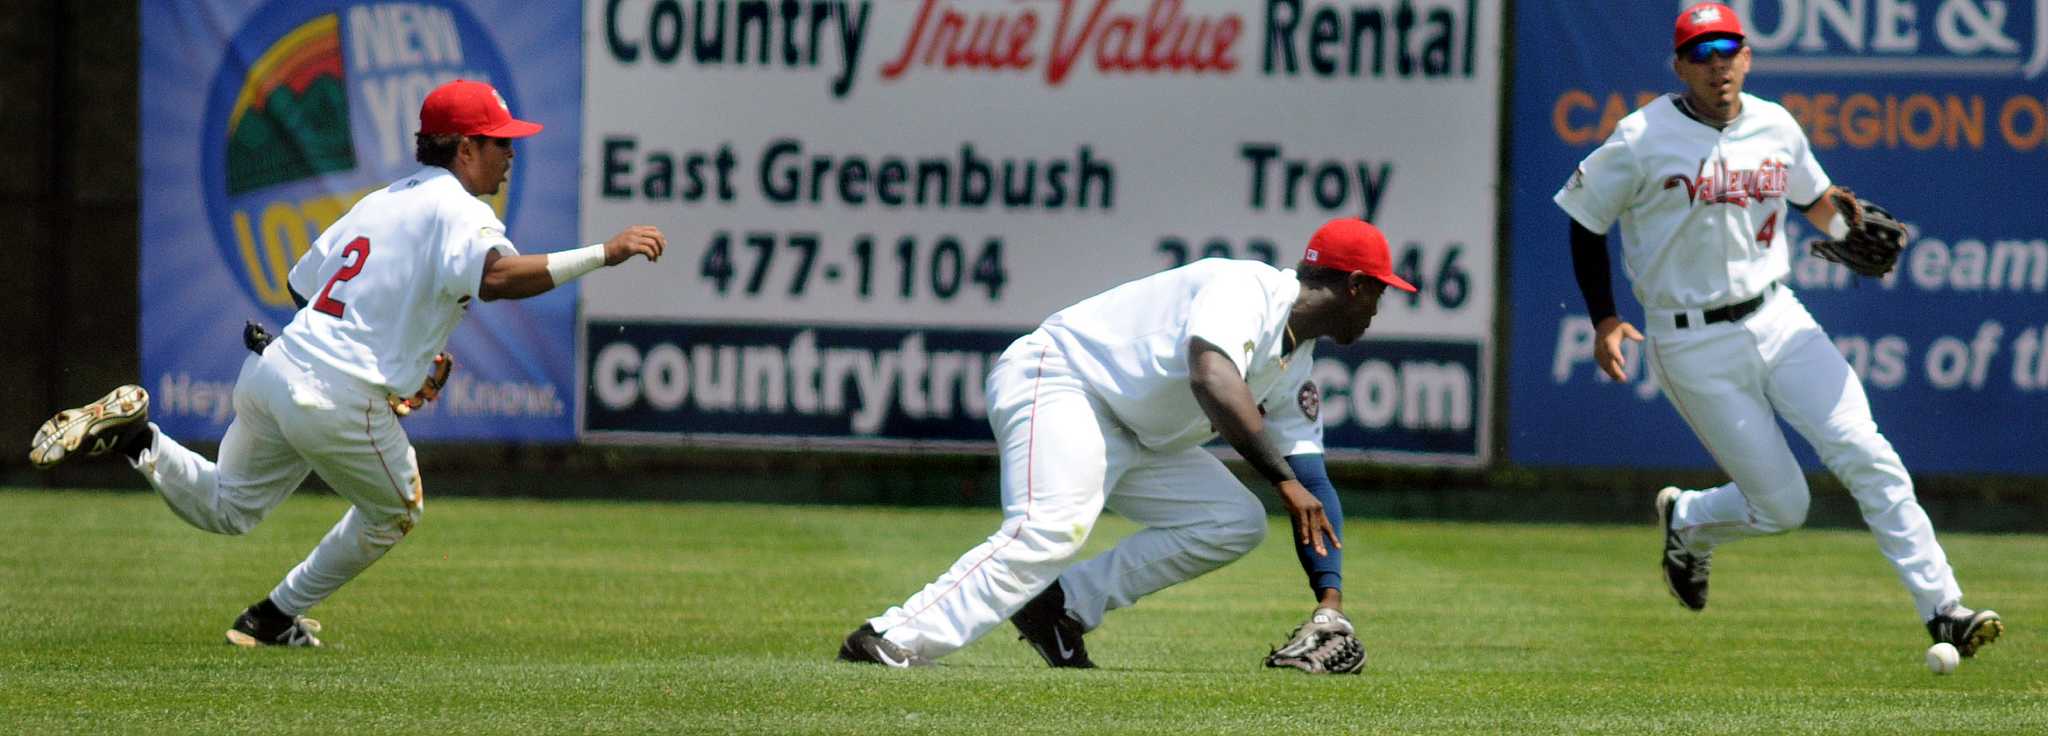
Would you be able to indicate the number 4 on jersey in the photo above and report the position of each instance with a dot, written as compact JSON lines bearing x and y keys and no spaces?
{"x":327,"y":304}
{"x":1770,"y":228}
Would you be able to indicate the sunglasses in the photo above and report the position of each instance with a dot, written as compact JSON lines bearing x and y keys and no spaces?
{"x":1700,"y":52}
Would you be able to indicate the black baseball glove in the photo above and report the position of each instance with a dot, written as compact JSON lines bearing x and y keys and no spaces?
{"x":1874,"y":241}
{"x":255,"y":336}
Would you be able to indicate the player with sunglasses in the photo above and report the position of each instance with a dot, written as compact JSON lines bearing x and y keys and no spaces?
{"x":1700,"y":182}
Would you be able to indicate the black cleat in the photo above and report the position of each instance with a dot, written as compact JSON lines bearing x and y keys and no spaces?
{"x":253,"y":629}
{"x":867,"y":645}
{"x":1685,"y":572}
{"x":1044,"y":623}
{"x":1966,"y":629}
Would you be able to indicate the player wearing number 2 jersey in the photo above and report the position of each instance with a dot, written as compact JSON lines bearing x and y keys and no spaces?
{"x":387,"y":283}
{"x":1700,"y":183}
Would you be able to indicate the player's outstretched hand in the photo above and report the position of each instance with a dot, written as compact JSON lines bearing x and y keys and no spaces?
{"x":1311,"y":524}
{"x":645,"y":240}
{"x":1607,"y":346}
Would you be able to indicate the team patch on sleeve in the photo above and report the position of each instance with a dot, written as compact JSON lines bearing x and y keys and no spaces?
{"x":1310,"y":399}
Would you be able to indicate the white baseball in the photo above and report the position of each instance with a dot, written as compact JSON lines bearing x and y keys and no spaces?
{"x":1942,"y":658}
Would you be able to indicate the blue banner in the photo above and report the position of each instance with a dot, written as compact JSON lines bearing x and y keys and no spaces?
{"x":765,"y":383}
{"x":262,"y":123}
{"x":1934,"y":109}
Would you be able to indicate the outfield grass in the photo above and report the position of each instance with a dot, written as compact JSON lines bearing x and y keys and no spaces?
{"x":530,"y":617}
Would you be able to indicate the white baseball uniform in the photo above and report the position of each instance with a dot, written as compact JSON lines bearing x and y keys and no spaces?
{"x":1702,"y":213}
{"x":386,"y":285}
{"x":1095,"y":408}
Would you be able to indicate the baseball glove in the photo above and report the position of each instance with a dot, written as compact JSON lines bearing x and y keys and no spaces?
{"x":1324,"y":645}
{"x":255,"y":336}
{"x":1874,"y":241}
{"x":444,"y":364}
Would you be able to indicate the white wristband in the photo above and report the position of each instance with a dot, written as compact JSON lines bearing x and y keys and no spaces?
{"x":568,"y":265}
{"x":1838,"y":226}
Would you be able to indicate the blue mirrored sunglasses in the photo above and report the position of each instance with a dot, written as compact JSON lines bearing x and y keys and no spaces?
{"x":1700,"y":52}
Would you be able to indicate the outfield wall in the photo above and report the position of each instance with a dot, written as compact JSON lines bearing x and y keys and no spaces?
{"x":866,"y":199}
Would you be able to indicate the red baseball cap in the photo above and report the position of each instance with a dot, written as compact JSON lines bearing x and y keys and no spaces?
{"x":1702,"y":19}
{"x":466,"y":107}
{"x":1352,"y":244}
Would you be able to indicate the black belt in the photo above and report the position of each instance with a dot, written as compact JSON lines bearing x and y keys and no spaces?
{"x":1728,"y":313}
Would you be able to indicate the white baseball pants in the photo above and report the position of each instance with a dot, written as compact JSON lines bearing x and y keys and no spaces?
{"x":1063,"y":459}
{"x":291,"y":419}
{"x":1732,"y":380}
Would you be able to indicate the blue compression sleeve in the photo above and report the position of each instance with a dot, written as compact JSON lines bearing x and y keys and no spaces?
{"x":1324,"y":571}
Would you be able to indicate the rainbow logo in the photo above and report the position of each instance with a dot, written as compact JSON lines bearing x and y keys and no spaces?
{"x":314,"y":105}
{"x":290,"y":121}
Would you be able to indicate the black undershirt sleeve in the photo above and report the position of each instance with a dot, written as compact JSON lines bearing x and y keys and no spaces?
{"x":1589,"y":264}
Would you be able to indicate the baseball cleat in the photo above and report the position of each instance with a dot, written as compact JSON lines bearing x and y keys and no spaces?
{"x":1685,"y":572}
{"x":867,"y":645}
{"x":252,"y":630}
{"x":93,"y":429}
{"x":1966,"y":629}
{"x":1044,"y":623}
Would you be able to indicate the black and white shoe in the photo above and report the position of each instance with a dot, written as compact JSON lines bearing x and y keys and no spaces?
{"x":1685,"y":572}
{"x":1045,"y":623}
{"x":867,"y":645}
{"x":93,"y":429}
{"x":1966,"y":629}
{"x":253,"y":629}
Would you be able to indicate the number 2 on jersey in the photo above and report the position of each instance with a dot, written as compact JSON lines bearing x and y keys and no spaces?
{"x":360,"y":248}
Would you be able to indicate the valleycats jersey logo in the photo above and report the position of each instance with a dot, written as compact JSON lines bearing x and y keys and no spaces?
{"x":1718,"y":184}
{"x":315,"y":105}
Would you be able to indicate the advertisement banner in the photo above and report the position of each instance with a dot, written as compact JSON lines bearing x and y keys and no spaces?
{"x":262,"y":123}
{"x":869,"y":177}
{"x":1932,"y":108}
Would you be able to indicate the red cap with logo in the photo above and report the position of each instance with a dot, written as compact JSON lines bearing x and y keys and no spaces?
{"x":1702,"y":19}
{"x":466,"y":107}
{"x":1352,"y":244}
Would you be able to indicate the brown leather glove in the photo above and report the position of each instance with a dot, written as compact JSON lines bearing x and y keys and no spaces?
{"x":444,"y":364}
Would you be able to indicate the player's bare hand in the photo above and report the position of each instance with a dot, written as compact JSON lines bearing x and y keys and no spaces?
{"x":644,"y":240}
{"x":1607,"y":346}
{"x":1311,"y":524}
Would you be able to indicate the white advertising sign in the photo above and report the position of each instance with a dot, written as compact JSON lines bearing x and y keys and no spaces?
{"x":865,"y":200}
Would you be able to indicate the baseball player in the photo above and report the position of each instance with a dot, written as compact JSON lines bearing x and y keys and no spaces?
{"x":1109,"y":402}
{"x":378,"y":292}
{"x":1700,"y":182}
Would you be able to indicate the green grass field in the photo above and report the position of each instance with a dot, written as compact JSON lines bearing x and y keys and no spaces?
{"x":534,"y":617}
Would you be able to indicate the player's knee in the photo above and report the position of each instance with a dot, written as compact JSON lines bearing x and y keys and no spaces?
{"x":1242,"y":538}
{"x":1055,"y":541}
{"x":236,"y":522}
{"x":1782,"y":514}
{"x":389,"y":532}
{"x":1242,"y":530}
